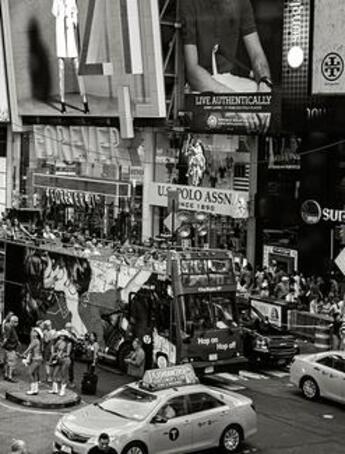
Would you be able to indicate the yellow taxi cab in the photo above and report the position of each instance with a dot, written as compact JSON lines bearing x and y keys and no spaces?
{"x":320,"y":374}
{"x":167,"y":412}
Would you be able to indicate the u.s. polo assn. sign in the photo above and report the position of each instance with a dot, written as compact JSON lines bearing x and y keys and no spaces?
{"x":209,"y":200}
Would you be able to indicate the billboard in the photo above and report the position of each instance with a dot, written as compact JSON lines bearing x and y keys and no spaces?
{"x":77,"y":57}
{"x":4,"y":111}
{"x":328,"y":75}
{"x":232,"y":58}
{"x":313,"y":79}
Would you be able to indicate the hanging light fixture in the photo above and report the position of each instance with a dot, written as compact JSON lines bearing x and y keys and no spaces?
{"x":184,"y":231}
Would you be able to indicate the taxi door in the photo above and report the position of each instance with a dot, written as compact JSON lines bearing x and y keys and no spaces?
{"x":175,"y":434}
{"x":208,"y":418}
{"x":331,"y":373}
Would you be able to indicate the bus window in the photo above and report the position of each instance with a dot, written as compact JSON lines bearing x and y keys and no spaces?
{"x":206,"y":312}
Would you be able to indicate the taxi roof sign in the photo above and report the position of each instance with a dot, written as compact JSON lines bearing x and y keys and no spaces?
{"x":170,"y":377}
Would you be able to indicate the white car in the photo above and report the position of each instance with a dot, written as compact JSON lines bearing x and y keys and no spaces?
{"x":320,"y":374}
{"x":174,"y":419}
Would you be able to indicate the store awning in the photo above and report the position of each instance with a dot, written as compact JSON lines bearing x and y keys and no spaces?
{"x":80,"y":184}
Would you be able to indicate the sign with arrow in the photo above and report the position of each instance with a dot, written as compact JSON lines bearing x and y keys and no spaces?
{"x":340,"y":261}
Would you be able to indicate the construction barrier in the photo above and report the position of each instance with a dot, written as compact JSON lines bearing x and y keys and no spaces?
{"x":323,"y":338}
{"x":306,"y":325}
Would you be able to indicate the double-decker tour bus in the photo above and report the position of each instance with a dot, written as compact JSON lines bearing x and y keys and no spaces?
{"x":180,"y":304}
{"x":193,"y":316}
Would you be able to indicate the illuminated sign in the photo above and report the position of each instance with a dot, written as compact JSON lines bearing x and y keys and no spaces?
{"x":312,"y":213}
{"x":73,"y":58}
{"x":158,"y":379}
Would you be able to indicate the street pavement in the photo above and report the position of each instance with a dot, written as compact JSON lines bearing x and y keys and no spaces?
{"x":287,"y":423}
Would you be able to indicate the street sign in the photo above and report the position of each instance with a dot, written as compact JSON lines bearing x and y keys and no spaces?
{"x":340,"y":261}
{"x":168,"y":222}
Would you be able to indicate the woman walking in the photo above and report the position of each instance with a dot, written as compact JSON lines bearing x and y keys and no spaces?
{"x":60,"y":361}
{"x":33,"y":359}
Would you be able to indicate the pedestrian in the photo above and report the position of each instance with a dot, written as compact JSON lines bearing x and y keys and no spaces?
{"x":33,"y":359}
{"x":136,"y":360}
{"x":10,"y":346}
{"x":60,"y":362}
{"x":92,"y":349}
{"x":102,"y":445}
{"x":73,"y":337}
{"x":18,"y":447}
{"x":48,"y":338}
{"x":5,"y":320}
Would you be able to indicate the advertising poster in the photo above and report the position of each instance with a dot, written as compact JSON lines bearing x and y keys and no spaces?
{"x":77,"y":57}
{"x":232,"y":58}
{"x":313,"y":79}
{"x":4,"y":111}
{"x":283,"y":153}
{"x":329,"y":54}
{"x":42,"y":284}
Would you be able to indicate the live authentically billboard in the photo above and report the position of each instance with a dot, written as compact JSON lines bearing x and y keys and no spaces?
{"x":208,"y":200}
{"x":313,"y":84}
{"x":232,"y":58}
{"x":77,"y":57}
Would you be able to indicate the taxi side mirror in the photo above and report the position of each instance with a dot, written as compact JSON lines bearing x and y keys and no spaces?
{"x":158,"y":420}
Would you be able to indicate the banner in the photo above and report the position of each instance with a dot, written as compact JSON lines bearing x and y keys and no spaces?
{"x":209,"y":200}
{"x":4,"y":112}
{"x":329,"y":54}
{"x":232,"y":55}
{"x":87,"y":54}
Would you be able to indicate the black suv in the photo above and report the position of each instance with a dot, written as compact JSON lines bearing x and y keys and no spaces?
{"x":264,"y":342}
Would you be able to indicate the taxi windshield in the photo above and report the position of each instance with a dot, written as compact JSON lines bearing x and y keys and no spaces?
{"x":129,"y":403}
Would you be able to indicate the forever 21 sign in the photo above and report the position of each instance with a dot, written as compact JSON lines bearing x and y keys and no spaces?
{"x":210,"y":200}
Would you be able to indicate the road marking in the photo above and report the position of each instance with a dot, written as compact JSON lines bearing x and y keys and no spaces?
{"x":255,"y":376}
{"x":328,"y":416}
{"x":227,"y":376}
{"x":276,"y":373}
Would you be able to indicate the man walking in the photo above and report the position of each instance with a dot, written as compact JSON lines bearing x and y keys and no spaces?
{"x":102,"y":446}
{"x":10,"y":346}
{"x":136,"y":360}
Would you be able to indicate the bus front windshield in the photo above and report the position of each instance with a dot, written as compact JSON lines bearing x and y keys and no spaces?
{"x":207,"y":312}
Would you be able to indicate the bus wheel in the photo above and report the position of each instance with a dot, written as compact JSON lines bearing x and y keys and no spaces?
{"x":162,"y":361}
{"x":124,"y":350}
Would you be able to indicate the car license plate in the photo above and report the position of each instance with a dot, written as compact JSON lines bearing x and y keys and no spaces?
{"x":209,"y":370}
{"x":213,"y":357}
{"x":66,"y":449}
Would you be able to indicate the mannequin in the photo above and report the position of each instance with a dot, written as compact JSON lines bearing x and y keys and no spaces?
{"x":66,"y":15}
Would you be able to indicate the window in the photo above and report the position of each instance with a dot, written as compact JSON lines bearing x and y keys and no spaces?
{"x":174,"y":408}
{"x":339,"y":363}
{"x":202,"y":402}
{"x":326,"y":361}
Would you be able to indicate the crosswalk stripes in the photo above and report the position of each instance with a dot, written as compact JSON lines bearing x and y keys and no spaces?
{"x":253,"y":375}
{"x":244,"y":375}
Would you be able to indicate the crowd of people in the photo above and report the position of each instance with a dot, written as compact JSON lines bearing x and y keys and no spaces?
{"x":50,"y":355}
{"x":314,"y":294}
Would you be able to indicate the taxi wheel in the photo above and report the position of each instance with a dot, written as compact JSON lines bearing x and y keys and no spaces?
{"x":231,"y":439}
{"x":310,"y":388}
{"x":135,"y":448}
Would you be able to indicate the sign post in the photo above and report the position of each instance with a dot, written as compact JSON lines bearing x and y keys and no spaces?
{"x":173,"y":205}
